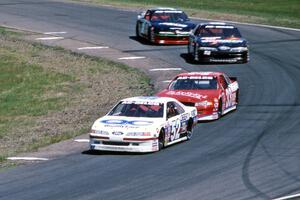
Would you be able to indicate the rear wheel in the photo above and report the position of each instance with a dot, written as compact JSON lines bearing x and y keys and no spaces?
{"x":161,"y":140}
{"x":220,"y":108}
{"x":137,"y":34}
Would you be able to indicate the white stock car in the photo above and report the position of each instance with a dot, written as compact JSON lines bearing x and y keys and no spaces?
{"x":143,"y":124}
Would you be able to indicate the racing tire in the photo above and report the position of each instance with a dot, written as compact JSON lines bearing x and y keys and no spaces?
{"x":137,"y":34}
{"x":220,"y":111}
{"x":161,"y":140}
{"x":189,"y":132}
{"x":245,"y":58}
{"x":150,"y":36}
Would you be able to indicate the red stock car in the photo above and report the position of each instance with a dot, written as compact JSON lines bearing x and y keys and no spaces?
{"x":212,"y":93}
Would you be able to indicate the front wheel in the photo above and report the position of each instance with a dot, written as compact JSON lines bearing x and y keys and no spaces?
{"x":220,"y":109}
{"x":161,"y":140}
{"x":137,"y":34}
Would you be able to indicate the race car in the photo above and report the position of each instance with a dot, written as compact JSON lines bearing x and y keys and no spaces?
{"x":212,"y":93}
{"x":217,"y":42}
{"x":164,"y":26}
{"x":143,"y":124}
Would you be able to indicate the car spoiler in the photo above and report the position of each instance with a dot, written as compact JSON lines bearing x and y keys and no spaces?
{"x":233,"y":79}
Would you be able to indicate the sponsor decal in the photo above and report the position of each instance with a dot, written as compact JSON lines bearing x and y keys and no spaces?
{"x":173,"y":24}
{"x":187,"y":94}
{"x":215,"y":41}
{"x":126,"y":122}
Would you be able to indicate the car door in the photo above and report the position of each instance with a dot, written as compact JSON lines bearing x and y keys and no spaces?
{"x":144,"y":23}
{"x":173,"y":122}
{"x":227,"y":98}
{"x":192,"y":40}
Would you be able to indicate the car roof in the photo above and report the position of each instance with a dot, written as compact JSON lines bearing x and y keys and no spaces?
{"x":216,"y":24}
{"x":164,"y":9}
{"x":200,"y":74}
{"x":149,"y":99}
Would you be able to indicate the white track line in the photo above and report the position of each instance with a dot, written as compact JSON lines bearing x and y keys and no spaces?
{"x":167,"y":81}
{"x":132,"y":58}
{"x":288,"y":197}
{"x":27,"y":158}
{"x":165,"y":69}
{"x":92,"y":48}
{"x":81,"y":140}
{"x":53,"y":33}
{"x":248,"y":24}
{"x":50,"y":38}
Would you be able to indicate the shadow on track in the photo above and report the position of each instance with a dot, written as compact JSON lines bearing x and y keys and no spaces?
{"x":113,"y":153}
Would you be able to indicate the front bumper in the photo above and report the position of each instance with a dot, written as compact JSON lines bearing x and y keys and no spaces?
{"x":150,"y":145}
{"x":222,"y":56}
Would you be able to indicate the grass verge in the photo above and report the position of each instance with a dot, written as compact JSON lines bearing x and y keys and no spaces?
{"x":50,"y":94}
{"x":273,"y":12}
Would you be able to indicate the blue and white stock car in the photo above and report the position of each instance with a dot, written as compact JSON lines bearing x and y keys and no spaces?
{"x":143,"y":124}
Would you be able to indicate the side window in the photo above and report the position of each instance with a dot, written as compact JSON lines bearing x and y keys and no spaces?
{"x":178,"y":108}
{"x":197,"y":30}
{"x":148,"y":15}
{"x":223,"y":82}
{"x":171,"y":110}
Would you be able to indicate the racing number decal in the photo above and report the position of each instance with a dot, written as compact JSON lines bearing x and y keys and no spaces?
{"x":228,"y":98}
{"x":175,"y":127}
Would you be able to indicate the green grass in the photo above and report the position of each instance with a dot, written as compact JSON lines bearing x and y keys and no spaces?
{"x":274,"y":12}
{"x":49,"y":94}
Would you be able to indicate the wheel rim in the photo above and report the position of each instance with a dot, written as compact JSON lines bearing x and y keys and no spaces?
{"x":161,"y":141}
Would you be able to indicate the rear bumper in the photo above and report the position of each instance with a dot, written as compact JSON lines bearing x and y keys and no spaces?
{"x":208,"y":117}
{"x":176,"y":39}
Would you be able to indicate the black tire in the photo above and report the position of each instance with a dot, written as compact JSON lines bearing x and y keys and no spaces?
{"x":137,"y":31}
{"x":245,"y":57}
{"x":220,"y":109}
{"x":161,"y":140}
{"x":189,"y":132}
{"x":149,"y":37}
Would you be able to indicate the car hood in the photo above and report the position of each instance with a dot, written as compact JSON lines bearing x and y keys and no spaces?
{"x":126,"y":124}
{"x":192,"y":96}
{"x":173,"y":26}
{"x":219,"y":41}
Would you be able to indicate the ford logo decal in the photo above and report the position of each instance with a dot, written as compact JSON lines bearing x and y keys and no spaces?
{"x":224,"y":48}
{"x":117,"y":133}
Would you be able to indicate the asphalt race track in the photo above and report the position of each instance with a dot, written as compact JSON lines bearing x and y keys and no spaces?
{"x":252,"y":153}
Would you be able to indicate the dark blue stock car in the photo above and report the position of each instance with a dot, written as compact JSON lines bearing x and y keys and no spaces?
{"x":217,"y":42}
{"x":164,"y":26}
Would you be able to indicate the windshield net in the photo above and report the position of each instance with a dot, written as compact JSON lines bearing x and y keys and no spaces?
{"x":133,"y":109}
{"x":194,"y":83}
{"x":161,"y":16}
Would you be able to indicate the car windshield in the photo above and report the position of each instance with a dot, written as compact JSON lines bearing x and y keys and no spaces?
{"x":136,"y":109}
{"x":194,"y":83}
{"x":169,"y":16}
{"x":230,"y":32}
